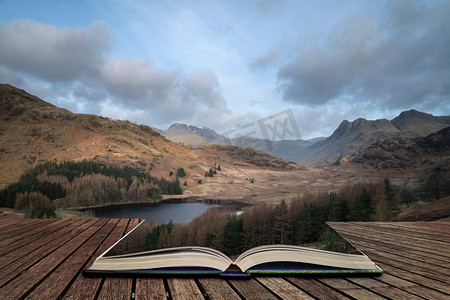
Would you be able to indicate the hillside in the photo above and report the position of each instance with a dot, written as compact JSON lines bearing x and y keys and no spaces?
{"x":199,"y":136}
{"x":33,"y":131}
{"x":431,"y":152}
{"x":350,"y":137}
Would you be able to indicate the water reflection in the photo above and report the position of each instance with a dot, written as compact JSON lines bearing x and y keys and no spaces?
{"x":159,"y":213}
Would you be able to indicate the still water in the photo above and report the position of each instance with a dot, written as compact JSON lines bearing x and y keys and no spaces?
{"x":159,"y":213}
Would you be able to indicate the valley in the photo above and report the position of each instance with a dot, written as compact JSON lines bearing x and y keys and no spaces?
{"x":33,"y":132}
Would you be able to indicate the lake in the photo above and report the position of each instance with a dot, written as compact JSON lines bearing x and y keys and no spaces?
{"x":178,"y":212}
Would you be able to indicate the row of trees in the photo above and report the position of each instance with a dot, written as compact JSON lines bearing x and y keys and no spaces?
{"x":84,"y":184}
{"x":302,"y":221}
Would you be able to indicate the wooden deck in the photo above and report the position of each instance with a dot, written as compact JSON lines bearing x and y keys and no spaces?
{"x":44,"y":259}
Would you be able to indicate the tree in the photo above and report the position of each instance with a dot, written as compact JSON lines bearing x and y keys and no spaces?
{"x":171,"y":173}
{"x":361,"y":209}
{"x":219,"y":168}
{"x":338,"y":208}
{"x":391,"y":200}
{"x":180,"y":172}
{"x":433,"y":187}
{"x":210,"y":173}
{"x":206,"y":173}
{"x":199,"y":181}
{"x":282,"y":228}
{"x":232,"y":236}
{"x":406,"y":197}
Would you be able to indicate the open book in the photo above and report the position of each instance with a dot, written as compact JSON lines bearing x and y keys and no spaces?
{"x":122,"y":257}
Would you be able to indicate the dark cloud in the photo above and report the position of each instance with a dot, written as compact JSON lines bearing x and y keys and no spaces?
{"x":52,"y":53}
{"x":400,"y":61}
{"x":269,"y":58}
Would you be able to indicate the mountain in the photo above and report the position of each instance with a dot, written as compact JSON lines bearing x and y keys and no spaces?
{"x":350,"y":137}
{"x":414,"y":123}
{"x":431,"y":152}
{"x":199,"y":136}
{"x":33,"y":131}
{"x":191,"y":135}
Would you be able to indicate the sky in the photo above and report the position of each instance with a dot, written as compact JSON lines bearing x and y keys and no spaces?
{"x":224,"y":64}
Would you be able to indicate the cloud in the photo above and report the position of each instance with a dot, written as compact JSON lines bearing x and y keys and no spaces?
{"x":271,"y":57}
{"x":268,"y":6}
{"x":138,"y":80}
{"x":399,"y":61}
{"x":202,"y":89}
{"x":52,"y":53}
{"x":74,"y":69}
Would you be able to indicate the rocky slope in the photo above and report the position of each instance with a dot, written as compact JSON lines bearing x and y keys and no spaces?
{"x":33,"y":131}
{"x":350,"y":137}
{"x":431,"y":152}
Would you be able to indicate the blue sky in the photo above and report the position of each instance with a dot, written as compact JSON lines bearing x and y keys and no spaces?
{"x":228,"y":63}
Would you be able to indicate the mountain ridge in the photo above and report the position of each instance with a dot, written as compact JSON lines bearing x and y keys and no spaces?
{"x":351,"y":137}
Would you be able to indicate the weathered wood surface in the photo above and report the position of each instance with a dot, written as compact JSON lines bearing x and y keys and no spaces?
{"x":45,"y":259}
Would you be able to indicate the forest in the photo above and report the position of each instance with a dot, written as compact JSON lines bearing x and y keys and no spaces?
{"x":299,"y":221}
{"x":71,"y":184}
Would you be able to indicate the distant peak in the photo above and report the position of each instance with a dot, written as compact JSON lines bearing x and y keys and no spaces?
{"x":177,"y":125}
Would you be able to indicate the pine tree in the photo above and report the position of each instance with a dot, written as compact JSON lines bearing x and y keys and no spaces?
{"x":180,"y":172}
{"x":282,"y":228}
{"x":391,"y":200}
{"x":219,"y":168}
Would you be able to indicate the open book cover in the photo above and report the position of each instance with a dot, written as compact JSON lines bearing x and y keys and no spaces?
{"x":127,"y":256}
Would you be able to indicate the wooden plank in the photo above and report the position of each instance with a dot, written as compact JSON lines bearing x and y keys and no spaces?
{"x":351,"y":289}
{"x":381,"y":288}
{"x":416,"y":278}
{"x":424,"y":255}
{"x":59,"y":280}
{"x":251,"y":289}
{"x":119,"y":287}
{"x":26,"y":259}
{"x":427,"y":293}
{"x":184,"y":288}
{"x":395,"y":293}
{"x":407,"y":258}
{"x":150,"y":289}
{"x":316,"y":289}
{"x":430,"y":271}
{"x":27,"y":280}
{"x":5,"y":223}
{"x":116,"y":288}
{"x":132,"y":224}
{"x":34,"y":244}
{"x":394,"y":281}
{"x":87,"y":287}
{"x":338,"y":283}
{"x":34,"y":233}
{"x":411,"y":229}
{"x":19,"y":229}
{"x":218,"y":289}
{"x":282,"y":288}
{"x":11,"y":224}
{"x":374,"y":235}
{"x":383,"y":243}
